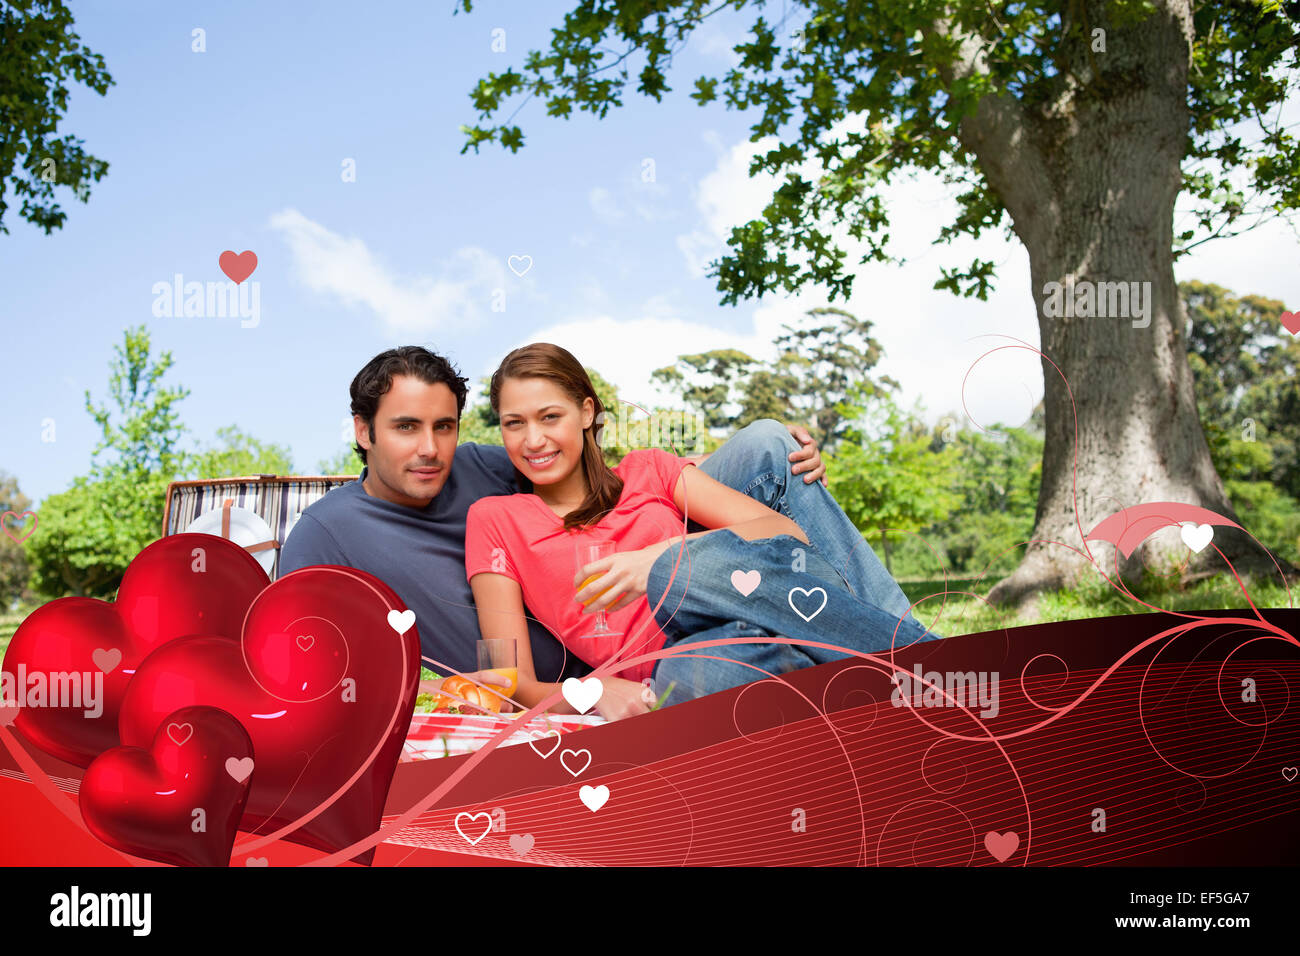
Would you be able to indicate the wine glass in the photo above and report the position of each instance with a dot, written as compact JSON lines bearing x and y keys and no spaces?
{"x":588,"y":551}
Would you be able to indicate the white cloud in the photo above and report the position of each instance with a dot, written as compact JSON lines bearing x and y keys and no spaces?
{"x":603,"y":205}
{"x":345,"y":269}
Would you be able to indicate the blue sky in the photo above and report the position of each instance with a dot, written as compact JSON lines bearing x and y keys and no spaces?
{"x":242,"y":147}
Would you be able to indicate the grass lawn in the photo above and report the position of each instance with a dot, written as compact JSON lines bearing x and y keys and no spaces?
{"x":965,"y":614}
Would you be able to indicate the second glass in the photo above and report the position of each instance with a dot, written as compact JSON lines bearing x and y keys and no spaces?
{"x":500,"y":655}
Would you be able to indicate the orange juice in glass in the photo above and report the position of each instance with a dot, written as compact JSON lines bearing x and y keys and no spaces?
{"x":499,"y":656}
{"x":588,"y":551}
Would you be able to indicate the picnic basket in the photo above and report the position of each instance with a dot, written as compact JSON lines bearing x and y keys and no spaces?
{"x":277,"y":499}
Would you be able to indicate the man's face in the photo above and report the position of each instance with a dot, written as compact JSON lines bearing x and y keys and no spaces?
{"x":415,"y":439}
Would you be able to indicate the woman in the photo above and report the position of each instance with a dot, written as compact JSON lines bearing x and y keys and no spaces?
{"x":520,"y":548}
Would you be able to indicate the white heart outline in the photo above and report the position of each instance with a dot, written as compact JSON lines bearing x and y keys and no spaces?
{"x":474,"y":816}
{"x":539,"y":735}
{"x":511,"y":264}
{"x":575,"y":773}
{"x":808,"y":591}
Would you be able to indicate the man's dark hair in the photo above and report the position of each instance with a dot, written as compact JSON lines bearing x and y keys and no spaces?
{"x":377,"y":378}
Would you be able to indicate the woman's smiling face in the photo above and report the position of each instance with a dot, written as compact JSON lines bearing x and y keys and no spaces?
{"x":542,"y":428}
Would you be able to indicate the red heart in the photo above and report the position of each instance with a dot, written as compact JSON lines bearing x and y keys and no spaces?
{"x":145,"y":801}
{"x":163,"y":596}
{"x":309,"y":740}
{"x":22,"y":520}
{"x":237,"y":267}
{"x":1291,"y":320}
{"x":1001,"y":845}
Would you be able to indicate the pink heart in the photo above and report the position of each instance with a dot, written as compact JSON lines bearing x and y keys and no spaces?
{"x":1001,"y":845}
{"x":745,"y":581}
{"x":239,"y":768}
{"x":8,"y":714}
{"x":1291,"y":320}
{"x":521,"y":843}
{"x":1289,"y":773}
{"x":305,"y":642}
{"x":107,"y":660}
{"x":174,"y":731}
{"x":237,"y":267}
{"x":22,"y":519}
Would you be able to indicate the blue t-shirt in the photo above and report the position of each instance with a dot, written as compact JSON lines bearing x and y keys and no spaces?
{"x":420,"y":554}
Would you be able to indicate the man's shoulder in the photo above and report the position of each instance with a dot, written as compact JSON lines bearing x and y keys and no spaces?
{"x":489,"y":465}
{"x":337,"y":501}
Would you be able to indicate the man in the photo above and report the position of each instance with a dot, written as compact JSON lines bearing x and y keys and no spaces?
{"x":404,"y":520}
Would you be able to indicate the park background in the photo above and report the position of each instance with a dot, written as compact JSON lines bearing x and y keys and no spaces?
{"x":331,"y":144}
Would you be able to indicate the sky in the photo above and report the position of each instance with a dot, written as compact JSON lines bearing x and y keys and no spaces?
{"x":248,"y":145}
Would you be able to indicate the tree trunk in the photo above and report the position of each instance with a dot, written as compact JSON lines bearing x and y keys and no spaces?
{"x":1090,"y":182}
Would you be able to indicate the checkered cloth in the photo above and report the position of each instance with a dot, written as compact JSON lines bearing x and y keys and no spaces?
{"x":449,"y":735}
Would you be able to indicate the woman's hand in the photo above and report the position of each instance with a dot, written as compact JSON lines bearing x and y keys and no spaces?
{"x":488,"y":678}
{"x":621,"y":698}
{"x":623,"y":578}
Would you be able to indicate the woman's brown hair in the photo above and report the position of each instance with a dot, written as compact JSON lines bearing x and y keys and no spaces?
{"x":544,"y":360}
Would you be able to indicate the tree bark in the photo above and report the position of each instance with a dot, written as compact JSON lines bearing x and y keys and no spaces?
{"x":1090,"y":182}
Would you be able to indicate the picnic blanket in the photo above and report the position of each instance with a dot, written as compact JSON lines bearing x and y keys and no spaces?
{"x":449,"y":735}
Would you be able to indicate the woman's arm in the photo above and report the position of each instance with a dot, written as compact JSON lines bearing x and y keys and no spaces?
{"x":709,"y":502}
{"x":500,"y":604}
{"x":702,"y":499}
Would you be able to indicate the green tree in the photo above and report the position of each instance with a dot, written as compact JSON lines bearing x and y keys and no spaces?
{"x":1246,"y":369}
{"x":826,"y":367}
{"x":1074,"y":127}
{"x":14,"y":569}
{"x":142,"y":431}
{"x":884,"y":475}
{"x":238,"y":453}
{"x":346,"y":462}
{"x":996,"y":486}
{"x":708,"y":382}
{"x":816,"y":370}
{"x":39,"y":55}
{"x":89,"y":533}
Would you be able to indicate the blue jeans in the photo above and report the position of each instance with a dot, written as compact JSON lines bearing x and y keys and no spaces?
{"x":863,"y":605}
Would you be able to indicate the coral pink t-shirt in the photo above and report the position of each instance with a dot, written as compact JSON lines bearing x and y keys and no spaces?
{"x":521,"y":538}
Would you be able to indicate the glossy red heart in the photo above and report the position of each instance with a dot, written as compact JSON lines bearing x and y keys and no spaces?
{"x":317,"y":713}
{"x":177,"y":801}
{"x":182,"y":584}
